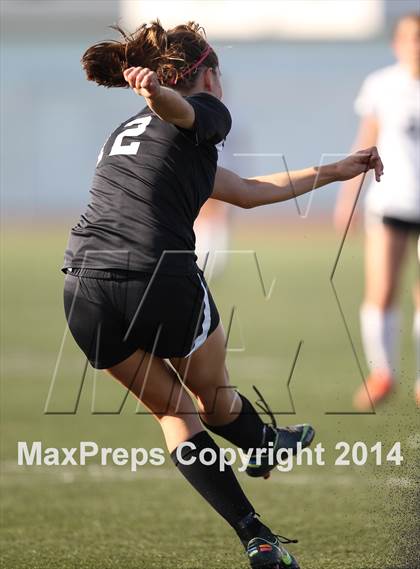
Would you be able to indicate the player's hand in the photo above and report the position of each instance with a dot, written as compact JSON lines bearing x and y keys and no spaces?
{"x":144,"y":81}
{"x":359,"y":163}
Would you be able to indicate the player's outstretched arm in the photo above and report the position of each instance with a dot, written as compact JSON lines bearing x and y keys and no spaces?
{"x":167,"y":104}
{"x":273,"y":188}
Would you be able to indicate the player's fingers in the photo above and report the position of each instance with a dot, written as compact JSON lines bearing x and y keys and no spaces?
{"x":131,"y":73}
{"x":379,"y":163}
{"x":132,"y":76}
{"x":140,"y":76}
{"x":376,"y":163}
{"x":147,"y":80}
{"x":379,"y":169}
{"x":127,"y":72}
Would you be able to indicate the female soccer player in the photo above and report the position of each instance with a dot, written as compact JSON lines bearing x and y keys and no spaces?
{"x":388,"y":104}
{"x":135,"y":301}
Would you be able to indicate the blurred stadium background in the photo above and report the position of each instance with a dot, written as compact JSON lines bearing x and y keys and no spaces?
{"x":291,"y":71}
{"x":283,"y":70}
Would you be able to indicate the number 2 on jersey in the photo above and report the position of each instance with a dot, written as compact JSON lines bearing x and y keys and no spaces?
{"x":132,"y":148}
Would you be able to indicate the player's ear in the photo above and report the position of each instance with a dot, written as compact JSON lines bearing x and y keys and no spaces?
{"x":208,"y":79}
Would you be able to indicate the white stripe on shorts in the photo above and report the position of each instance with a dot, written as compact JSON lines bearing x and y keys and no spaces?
{"x":199,"y":341}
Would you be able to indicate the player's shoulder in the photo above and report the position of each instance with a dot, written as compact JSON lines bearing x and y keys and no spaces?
{"x":212,"y":118}
{"x":207,"y":101}
{"x":384,"y":75}
{"x":205,"y":98}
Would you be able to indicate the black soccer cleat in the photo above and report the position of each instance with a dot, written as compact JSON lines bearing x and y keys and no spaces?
{"x":267,"y":552}
{"x":260,"y":464}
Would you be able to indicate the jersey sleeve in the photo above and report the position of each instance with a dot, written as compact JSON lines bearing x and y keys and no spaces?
{"x":212,"y":119}
{"x":365,"y":103}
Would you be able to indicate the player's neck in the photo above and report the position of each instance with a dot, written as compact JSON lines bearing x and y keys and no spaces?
{"x":413,"y":69}
{"x":194,"y":91}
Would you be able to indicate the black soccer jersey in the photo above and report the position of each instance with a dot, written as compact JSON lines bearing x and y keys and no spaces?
{"x":151,"y":180}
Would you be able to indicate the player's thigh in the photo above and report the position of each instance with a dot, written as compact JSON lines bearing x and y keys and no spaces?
{"x":385,"y":250}
{"x":416,"y":294}
{"x":151,"y":380}
{"x":416,"y":287}
{"x":418,"y":249}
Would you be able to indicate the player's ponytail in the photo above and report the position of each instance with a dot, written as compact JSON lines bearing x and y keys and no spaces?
{"x":104,"y":63}
{"x":173,"y":54}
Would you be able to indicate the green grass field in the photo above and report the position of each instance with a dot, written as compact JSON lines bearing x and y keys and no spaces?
{"x":93,"y":517}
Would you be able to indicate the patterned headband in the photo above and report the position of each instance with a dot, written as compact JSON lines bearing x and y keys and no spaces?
{"x":195,"y":65}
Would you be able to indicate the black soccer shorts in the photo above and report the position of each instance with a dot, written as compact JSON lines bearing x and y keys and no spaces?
{"x":111,"y":313}
{"x":402,"y":224}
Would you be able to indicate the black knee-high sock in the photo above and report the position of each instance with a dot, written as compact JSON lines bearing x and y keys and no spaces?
{"x":247,"y":430}
{"x":219,"y":488}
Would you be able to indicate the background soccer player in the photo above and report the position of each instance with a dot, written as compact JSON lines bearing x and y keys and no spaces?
{"x":134,"y":297}
{"x":389,"y":107}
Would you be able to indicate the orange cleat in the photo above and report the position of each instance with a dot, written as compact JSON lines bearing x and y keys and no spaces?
{"x":377,"y":387}
{"x":417,"y":393}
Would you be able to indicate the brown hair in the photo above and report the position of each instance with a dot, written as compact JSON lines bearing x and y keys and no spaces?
{"x":172,"y":54}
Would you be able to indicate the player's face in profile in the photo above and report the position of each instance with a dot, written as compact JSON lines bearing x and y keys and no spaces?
{"x":407,"y":42}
